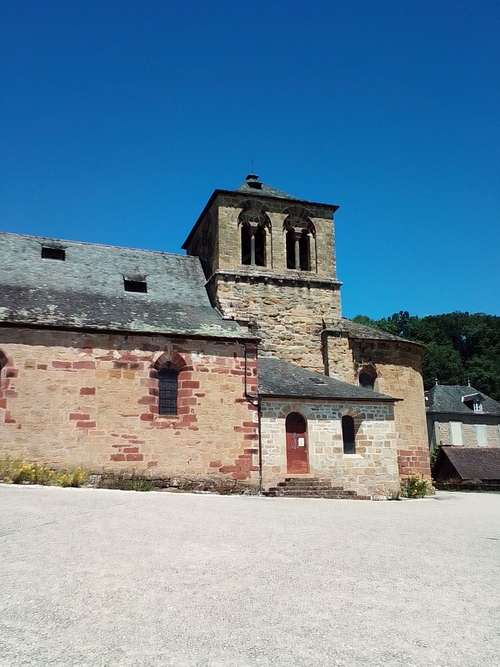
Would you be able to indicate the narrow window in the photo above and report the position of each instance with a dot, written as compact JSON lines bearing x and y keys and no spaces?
{"x":260,"y":246}
{"x":246,"y":245}
{"x":167,"y":385}
{"x":366,"y":380}
{"x":305,"y":263}
{"x":53,"y":253}
{"x":348,"y":435}
{"x":136,"y":286}
{"x":290,"y":249}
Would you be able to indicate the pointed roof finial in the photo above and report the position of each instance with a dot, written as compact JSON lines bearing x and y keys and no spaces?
{"x":437,"y":381}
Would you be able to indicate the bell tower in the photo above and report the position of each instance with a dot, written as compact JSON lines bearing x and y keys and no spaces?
{"x":269,"y":259}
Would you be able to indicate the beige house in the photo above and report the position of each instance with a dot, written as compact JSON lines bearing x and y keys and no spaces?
{"x":232,"y":362}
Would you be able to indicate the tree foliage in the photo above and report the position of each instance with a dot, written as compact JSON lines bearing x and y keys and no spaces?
{"x":460,"y":346}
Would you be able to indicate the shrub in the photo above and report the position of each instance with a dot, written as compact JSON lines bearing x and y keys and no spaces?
{"x":22,"y":472}
{"x":416,"y":486}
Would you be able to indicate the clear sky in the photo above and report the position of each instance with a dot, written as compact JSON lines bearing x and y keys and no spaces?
{"x":119,"y":118}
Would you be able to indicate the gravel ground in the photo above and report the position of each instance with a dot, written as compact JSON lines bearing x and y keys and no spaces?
{"x":99,"y":577}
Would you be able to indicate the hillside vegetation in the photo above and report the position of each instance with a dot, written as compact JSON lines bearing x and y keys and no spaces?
{"x":460,"y":346}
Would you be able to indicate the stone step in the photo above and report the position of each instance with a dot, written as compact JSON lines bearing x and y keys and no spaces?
{"x":311,"y":487}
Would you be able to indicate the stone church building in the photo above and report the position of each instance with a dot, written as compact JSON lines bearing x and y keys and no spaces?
{"x":231,"y":362}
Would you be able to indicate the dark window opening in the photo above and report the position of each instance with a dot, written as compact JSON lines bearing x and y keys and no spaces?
{"x":246,"y":245}
{"x":167,"y":386}
{"x":260,"y":247}
{"x":53,"y":253}
{"x":348,"y":435}
{"x":136,"y":286}
{"x":305,"y":264}
{"x":290,"y":249}
{"x":366,"y":380}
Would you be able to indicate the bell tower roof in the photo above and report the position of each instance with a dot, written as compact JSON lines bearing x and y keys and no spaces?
{"x":253,"y":186}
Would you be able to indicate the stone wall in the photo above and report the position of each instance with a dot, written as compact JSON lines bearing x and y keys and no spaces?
{"x":372,"y":470}
{"x":398,"y":366}
{"x":287,"y":313}
{"x":69,"y":399}
{"x":442,"y":435}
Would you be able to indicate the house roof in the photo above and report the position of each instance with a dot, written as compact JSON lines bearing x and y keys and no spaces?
{"x":284,"y":379}
{"x":447,"y":398}
{"x":471,"y":462}
{"x":87,"y":289}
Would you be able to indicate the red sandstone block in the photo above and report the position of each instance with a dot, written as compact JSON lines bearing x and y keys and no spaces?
{"x":152,"y":464}
{"x":229,"y":469}
{"x":189,"y":384}
{"x":254,"y":468}
{"x":200,"y":395}
{"x":189,"y":418}
{"x":41,"y":367}
{"x":76,"y":416}
{"x":153,"y":409}
{"x":85,"y":424}
{"x":87,"y":391}
{"x":188,"y":401}
{"x":147,"y":400}
{"x":77,"y":365}
{"x":251,"y":451}
{"x":147,"y":417}
{"x":239,"y":475}
{"x":8,"y":419}
{"x":3,"y":403}
{"x":136,"y":366}
{"x":117,"y":457}
{"x":120,"y":364}
{"x":10,"y":393}
{"x":249,"y":437}
{"x":131,"y":450}
{"x":215,"y":464}
{"x":11,"y":373}
{"x":61,"y":364}
{"x":135,"y":457}
{"x":252,"y":424}
{"x":183,"y":410}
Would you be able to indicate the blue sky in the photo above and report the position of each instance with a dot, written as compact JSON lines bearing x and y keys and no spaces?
{"x":119,"y":119}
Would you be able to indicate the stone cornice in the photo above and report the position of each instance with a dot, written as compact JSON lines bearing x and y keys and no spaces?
{"x":293,"y":279}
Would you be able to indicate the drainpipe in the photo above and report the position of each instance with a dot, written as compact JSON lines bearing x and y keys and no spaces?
{"x":255,"y":400}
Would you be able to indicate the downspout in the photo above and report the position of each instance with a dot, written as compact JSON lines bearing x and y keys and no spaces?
{"x":255,"y":400}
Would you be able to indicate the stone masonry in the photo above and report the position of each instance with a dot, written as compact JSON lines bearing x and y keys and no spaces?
{"x":97,"y":404}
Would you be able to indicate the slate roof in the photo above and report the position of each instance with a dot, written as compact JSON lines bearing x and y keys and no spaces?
{"x":471,"y":462}
{"x":446,"y":398}
{"x":354,"y":330}
{"x":253,"y":186}
{"x":87,"y":289}
{"x":284,"y":379}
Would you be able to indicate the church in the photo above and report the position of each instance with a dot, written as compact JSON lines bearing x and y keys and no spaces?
{"x":230,"y":364}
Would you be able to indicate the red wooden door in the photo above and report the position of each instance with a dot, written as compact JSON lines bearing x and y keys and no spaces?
{"x":296,"y":444}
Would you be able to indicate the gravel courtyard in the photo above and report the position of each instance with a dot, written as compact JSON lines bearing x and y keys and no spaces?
{"x":100,"y":577}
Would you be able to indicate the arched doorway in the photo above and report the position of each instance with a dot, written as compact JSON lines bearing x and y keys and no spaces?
{"x":296,"y":444}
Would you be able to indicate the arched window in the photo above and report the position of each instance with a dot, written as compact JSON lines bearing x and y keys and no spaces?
{"x":290,"y":249}
{"x":348,"y":435}
{"x":246,"y":245}
{"x":300,"y":242}
{"x":305,"y":262}
{"x":260,"y":246}
{"x":167,"y":386}
{"x":253,"y":223}
{"x":366,"y":379}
